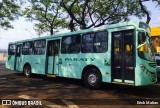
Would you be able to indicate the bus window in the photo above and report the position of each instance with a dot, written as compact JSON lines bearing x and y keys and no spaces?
{"x":71,"y":44}
{"x":27,"y":48}
{"x":53,"y":48}
{"x":87,"y":46}
{"x":56,"y":47}
{"x":11,"y":50}
{"x":141,"y":38}
{"x":50,"y":49}
{"x":143,"y":47}
{"x":100,"y":45}
{"x":117,"y":48}
{"x":141,"y":41}
{"x":88,"y":38}
{"x":18,"y":51}
{"x":95,"y":42}
{"x":128,"y":48}
{"x":39,"y":47}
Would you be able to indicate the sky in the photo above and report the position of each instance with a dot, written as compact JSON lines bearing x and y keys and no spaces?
{"x":24,"y":29}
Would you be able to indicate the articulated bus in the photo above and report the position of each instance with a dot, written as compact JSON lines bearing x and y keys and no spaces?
{"x":117,"y":53}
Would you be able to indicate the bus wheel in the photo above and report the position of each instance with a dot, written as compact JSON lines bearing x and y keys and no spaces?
{"x":93,"y":79}
{"x":27,"y":71}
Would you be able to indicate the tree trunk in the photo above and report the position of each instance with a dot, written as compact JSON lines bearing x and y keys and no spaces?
{"x":51,"y":31}
{"x":83,"y":26}
{"x":148,"y":19}
{"x":71,"y":25}
{"x":145,"y":11}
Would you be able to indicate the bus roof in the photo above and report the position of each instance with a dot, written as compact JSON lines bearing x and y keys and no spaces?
{"x":123,"y":24}
{"x":155,"y":31}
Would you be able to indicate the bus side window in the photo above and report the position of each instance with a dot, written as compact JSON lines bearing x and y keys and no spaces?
{"x":11,"y":49}
{"x":100,"y":45}
{"x":18,"y":51}
{"x":39,"y":47}
{"x":95,"y":42}
{"x":56,"y":48}
{"x":87,"y":43}
{"x":27,"y":48}
{"x":50,"y":49}
{"x":71,"y":44}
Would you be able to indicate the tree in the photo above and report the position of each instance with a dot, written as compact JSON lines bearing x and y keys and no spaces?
{"x":93,"y":13}
{"x":145,"y":10}
{"x":9,"y":11}
{"x":46,"y":13}
{"x":82,"y":14}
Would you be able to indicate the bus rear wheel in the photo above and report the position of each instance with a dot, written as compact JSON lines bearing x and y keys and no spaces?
{"x":93,"y":79}
{"x":27,"y":71}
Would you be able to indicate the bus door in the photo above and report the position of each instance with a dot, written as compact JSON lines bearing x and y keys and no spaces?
{"x":123,"y":57}
{"x":53,"y":57}
{"x":18,"y":58}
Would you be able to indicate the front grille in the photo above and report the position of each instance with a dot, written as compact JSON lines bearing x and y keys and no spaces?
{"x":154,"y":79}
{"x":153,"y":73}
{"x":152,"y":65}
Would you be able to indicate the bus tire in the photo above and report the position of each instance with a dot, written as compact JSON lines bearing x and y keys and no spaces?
{"x":27,"y":70}
{"x":93,"y":79}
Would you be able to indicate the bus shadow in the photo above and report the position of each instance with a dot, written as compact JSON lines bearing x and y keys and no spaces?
{"x":72,"y":88}
{"x":16,"y":83}
{"x":125,"y":91}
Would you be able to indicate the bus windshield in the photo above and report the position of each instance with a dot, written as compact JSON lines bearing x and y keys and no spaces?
{"x":145,"y":47}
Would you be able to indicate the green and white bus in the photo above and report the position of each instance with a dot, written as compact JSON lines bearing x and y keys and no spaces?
{"x":117,"y":53}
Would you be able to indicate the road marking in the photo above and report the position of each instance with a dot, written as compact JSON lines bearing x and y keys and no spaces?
{"x":50,"y":104}
{"x":2,"y":106}
{"x":26,"y":97}
{"x":56,"y":106}
{"x":70,"y":104}
{"x":3,"y":78}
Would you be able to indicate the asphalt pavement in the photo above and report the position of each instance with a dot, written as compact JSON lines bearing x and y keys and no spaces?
{"x":71,"y":93}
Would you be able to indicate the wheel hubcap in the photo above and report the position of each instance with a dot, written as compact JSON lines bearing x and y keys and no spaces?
{"x":92,"y":79}
{"x":27,"y":71}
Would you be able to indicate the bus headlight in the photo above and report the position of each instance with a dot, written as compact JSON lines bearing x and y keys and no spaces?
{"x":143,"y":67}
{"x":148,"y":73}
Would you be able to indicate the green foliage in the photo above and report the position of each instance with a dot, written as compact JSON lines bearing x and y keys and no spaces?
{"x":49,"y":15}
{"x":93,"y":13}
{"x":9,"y":11}
{"x":46,"y":13}
{"x":157,"y":2}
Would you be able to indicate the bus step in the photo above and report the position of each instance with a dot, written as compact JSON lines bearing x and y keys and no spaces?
{"x":51,"y":75}
{"x":123,"y":83}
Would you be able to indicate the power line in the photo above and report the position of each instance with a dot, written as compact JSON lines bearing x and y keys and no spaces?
{"x":30,"y":32}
